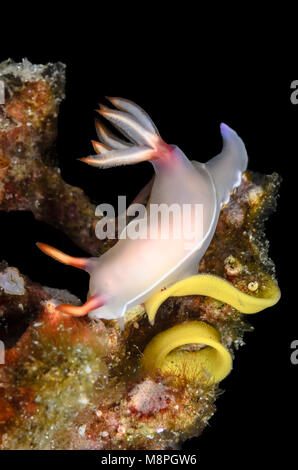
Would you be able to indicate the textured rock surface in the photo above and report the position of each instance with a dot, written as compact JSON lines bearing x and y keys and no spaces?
{"x":30,"y":180}
{"x":74,"y":384}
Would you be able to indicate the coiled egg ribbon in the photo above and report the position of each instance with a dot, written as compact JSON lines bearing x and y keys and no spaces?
{"x":213,"y":359}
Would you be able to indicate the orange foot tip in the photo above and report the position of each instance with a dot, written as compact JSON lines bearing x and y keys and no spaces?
{"x":91,"y":304}
{"x":58,"y":255}
{"x":87,"y":159}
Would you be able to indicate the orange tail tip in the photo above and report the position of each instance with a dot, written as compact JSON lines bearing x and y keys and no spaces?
{"x":93,"y":160}
{"x":108,"y":138}
{"x":99,"y":147}
{"x":102,"y":109}
{"x":91,"y":304}
{"x":58,"y":255}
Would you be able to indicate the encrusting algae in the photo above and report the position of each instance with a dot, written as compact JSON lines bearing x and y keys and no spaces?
{"x":76,"y":383}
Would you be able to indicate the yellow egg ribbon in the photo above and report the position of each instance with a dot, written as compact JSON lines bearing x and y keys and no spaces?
{"x":213,"y":360}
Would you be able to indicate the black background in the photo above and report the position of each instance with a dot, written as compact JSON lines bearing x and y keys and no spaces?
{"x":187,"y":97}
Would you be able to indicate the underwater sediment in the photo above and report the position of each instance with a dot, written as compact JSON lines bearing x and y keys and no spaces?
{"x":73,"y":383}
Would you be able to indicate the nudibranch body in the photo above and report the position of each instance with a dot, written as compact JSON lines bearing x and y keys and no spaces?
{"x":135,"y":269}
